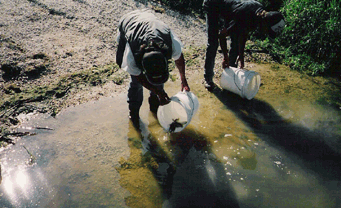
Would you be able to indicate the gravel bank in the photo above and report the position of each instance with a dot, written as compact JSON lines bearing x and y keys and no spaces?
{"x":74,"y":34}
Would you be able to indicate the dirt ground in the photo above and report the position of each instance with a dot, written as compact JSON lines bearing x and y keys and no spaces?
{"x":55,"y":54}
{"x":46,"y":44}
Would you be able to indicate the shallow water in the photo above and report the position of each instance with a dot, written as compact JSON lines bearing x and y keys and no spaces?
{"x":280,"y":149}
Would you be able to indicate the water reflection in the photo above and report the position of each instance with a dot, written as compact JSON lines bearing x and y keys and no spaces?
{"x":21,"y":181}
{"x":234,"y":153}
{"x":17,"y":184}
{"x":237,"y":151}
{"x":186,"y":170}
{"x":75,"y":163}
{"x":318,"y":150}
{"x":201,"y":179}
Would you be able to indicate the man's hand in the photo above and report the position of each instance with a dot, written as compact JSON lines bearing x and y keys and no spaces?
{"x":241,"y":60}
{"x":163,"y":97}
{"x":184,"y":86}
{"x":161,"y":94}
{"x":225,"y":63}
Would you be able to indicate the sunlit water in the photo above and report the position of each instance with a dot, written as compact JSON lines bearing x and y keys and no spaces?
{"x":276,"y":150}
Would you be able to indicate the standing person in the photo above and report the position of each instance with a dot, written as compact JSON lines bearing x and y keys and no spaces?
{"x":235,"y":18}
{"x":145,"y":44}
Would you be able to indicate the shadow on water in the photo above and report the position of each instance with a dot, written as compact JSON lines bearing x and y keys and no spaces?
{"x":186,"y":169}
{"x":307,"y":147}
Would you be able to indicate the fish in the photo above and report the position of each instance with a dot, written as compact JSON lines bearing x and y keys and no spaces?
{"x":175,"y":124}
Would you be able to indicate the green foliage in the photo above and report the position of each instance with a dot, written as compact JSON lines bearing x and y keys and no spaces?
{"x":312,"y":36}
{"x":311,"y":40}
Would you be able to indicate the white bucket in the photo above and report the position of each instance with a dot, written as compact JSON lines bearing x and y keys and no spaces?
{"x":240,"y":81}
{"x":177,"y":114}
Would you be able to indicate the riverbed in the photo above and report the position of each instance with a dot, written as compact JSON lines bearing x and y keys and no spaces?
{"x":280,"y":149}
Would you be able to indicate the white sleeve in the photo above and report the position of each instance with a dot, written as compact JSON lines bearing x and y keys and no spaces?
{"x":128,"y":62}
{"x":176,"y":46}
{"x":118,"y":35}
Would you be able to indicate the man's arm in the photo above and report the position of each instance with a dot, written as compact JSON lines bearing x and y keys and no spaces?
{"x":120,"y":48}
{"x":180,"y":64}
{"x":162,"y":95}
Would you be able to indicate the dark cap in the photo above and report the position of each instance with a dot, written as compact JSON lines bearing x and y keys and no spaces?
{"x":275,"y":22}
{"x":155,"y":67}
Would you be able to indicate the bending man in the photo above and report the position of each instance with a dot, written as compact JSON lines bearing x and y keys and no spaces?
{"x":145,"y":45}
{"x":236,"y":19}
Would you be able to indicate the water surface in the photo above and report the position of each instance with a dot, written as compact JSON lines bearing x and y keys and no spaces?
{"x":281,"y":149}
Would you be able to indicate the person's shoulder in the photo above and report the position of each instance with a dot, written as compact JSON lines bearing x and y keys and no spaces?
{"x":141,"y":13}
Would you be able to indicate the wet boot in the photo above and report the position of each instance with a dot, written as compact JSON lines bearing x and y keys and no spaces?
{"x":209,"y":85}
{"x":153,"y":103}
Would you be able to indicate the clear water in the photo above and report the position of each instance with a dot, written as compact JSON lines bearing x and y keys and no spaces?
{"x":277,"y":150}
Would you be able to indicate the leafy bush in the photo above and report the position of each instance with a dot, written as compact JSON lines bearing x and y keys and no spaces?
{"x":311,"y":40}
{"x":313,"y":33}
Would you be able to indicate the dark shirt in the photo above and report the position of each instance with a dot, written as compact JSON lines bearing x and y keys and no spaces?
{"x":237,"y":15}
{"x":138,"y":27}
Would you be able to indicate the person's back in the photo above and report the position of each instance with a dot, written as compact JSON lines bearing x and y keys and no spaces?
{"x":141,"y":26}
{"x":243,"y":15}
